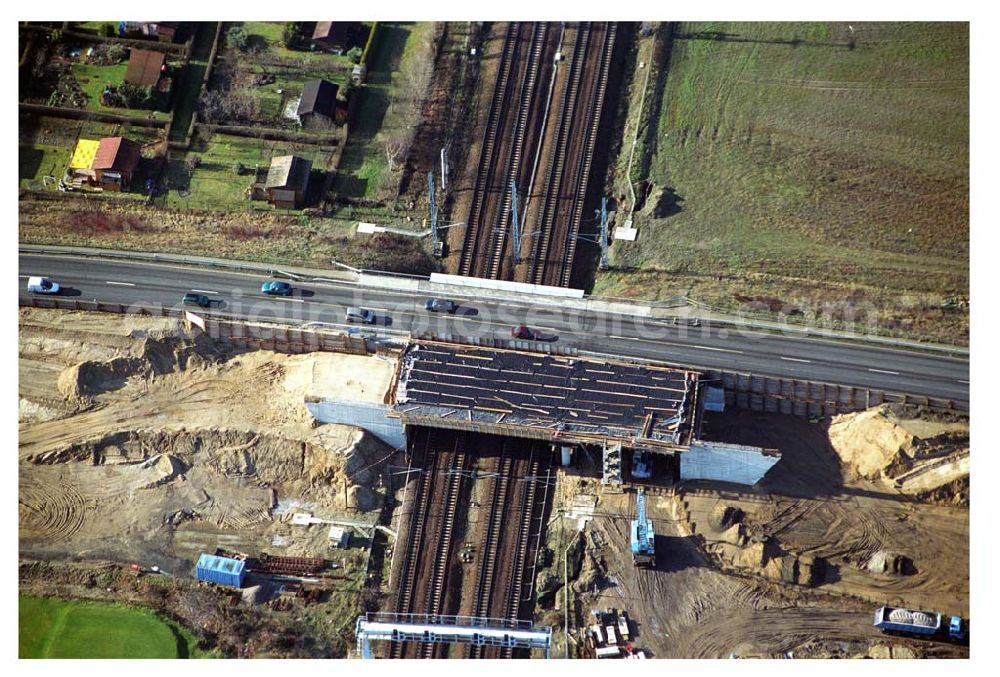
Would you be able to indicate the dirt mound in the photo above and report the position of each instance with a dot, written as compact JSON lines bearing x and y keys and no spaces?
{"x":362,"y":498}
{"x":891,"y":443}
{"x":890,"y":563}
{"x":869,"y":443}
{"x":85,"y":380}
{"x":723,"y":517}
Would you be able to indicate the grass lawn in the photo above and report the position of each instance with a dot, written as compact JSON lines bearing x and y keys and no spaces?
{"x":214,"y":185}
{"x":92,"y":79}
{"x":35,"y":162}
{"x":364,"y":161}
{"x":56,"y":628}
{"x":270,"y":33}
{"x":47,"y":143}
{"x":807,"y":163}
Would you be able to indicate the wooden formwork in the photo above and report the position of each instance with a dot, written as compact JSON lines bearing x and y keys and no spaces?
{"x":809,"y":399}
{"x":238,"y":334}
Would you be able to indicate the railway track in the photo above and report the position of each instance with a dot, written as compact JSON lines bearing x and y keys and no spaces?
{"x":551,"y":114}
{"x":503,"y":221}
{"x":418,"y":518}
{"x":506,"y":540}
{"x":586,"y":157}
{"x":547,"y":223}
{"x":487,"y":154}
{"x":514,"y":600}
{"x":436,"y":589}
{"x":492,"y":539}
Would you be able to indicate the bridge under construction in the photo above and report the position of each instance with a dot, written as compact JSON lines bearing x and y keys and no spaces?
{"x":483,"y":431}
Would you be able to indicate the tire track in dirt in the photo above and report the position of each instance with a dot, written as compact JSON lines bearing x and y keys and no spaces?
{"x":51,"y":511}
{"x":771,"y":630}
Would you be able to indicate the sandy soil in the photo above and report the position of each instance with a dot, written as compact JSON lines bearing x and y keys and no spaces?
{"x":140,"y":442}
{"x":722,"y":585}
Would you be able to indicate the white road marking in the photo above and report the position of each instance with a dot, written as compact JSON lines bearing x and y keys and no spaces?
{"x":121,"y":284}
{"x":965,"y":382}
{"x":24,"y":277}
{"x":682,"y":345}
{"x":718,"y":350}
{"x":205,"y":291}
{"x":285,"y":298}
{"x":794,"y":359}
{"x":884,"y":371}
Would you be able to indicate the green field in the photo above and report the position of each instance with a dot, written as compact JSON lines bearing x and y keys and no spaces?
{"x":56,"y":628}
{"x":363,"y":163}
{"x":802,"y":164}
{"x":46,"y":145}
{"x":214,"y":185}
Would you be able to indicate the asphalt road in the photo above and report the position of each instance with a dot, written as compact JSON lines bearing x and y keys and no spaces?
{"x":235,"y":294}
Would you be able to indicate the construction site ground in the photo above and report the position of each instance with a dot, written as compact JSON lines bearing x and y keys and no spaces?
{"x":724,"y":581}
{"x":140,"y":442}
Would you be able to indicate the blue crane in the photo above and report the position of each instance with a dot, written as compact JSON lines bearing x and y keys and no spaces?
{"x":642,"y":535}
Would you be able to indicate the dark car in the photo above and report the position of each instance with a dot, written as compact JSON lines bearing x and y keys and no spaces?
{"x":523,"y":332}
{"x":441,"y":305}
{"x":276,"y":288}
{"x":192,"y":299}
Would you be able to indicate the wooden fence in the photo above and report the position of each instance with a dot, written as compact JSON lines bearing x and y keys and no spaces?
{"x":808,"y":399}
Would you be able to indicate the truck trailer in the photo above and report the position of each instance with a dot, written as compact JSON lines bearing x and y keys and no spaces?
{"x":926,"y":624}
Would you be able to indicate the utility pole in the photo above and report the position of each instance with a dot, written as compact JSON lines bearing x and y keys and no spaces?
{"x":515,"y":223}
{"x":604,"y":234}
{"x":444,"y":169}
{"x":438,"y":249}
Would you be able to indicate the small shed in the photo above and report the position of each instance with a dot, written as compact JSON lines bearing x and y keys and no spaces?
{"x":339,"y":537}
{"x":115,"y":161}
{"x":318,"y":104}
{"x":221,"y":570}
{"x":144,"y":67}
{"x":164,"y":31}
{"x":331,"y":35}
{"x":287,"y":180}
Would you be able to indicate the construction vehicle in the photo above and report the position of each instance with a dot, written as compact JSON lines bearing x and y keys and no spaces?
{"x":642,"y":535}
{"x":923,"y":624}
{"x":641,"y":466}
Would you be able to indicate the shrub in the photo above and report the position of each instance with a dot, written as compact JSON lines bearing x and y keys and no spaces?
{"x":288,"y":34}
{"x":108,"y":30}
{"x":238,"y":168}
{"x":354,"y":54}
{"x":237,"y":38}
{"x":116,"y":53}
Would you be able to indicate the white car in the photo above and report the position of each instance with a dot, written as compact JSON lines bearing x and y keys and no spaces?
{"x":42,"y":285}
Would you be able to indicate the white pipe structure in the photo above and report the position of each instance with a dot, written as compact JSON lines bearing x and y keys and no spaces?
{"x":457,"y":630}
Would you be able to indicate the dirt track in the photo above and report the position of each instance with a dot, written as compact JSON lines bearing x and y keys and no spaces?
{"x":140,"y":442}
{"x":809,"y":505}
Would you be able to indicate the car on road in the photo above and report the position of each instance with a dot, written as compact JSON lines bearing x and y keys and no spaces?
{"x":360,"y":315}
{"x":441,"y":305}
{"x":276,"y":288}
{"x":192,"y":299}
{"x":42,"y":285}
{"x":523,"y":332}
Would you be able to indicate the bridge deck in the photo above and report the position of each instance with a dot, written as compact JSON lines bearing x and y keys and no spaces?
{"x":485,"y":386}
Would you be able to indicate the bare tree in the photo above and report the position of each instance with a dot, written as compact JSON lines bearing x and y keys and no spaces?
{"x":396,"y":143}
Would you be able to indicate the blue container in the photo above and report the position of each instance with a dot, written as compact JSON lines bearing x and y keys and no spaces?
{"x":221,"y":570}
